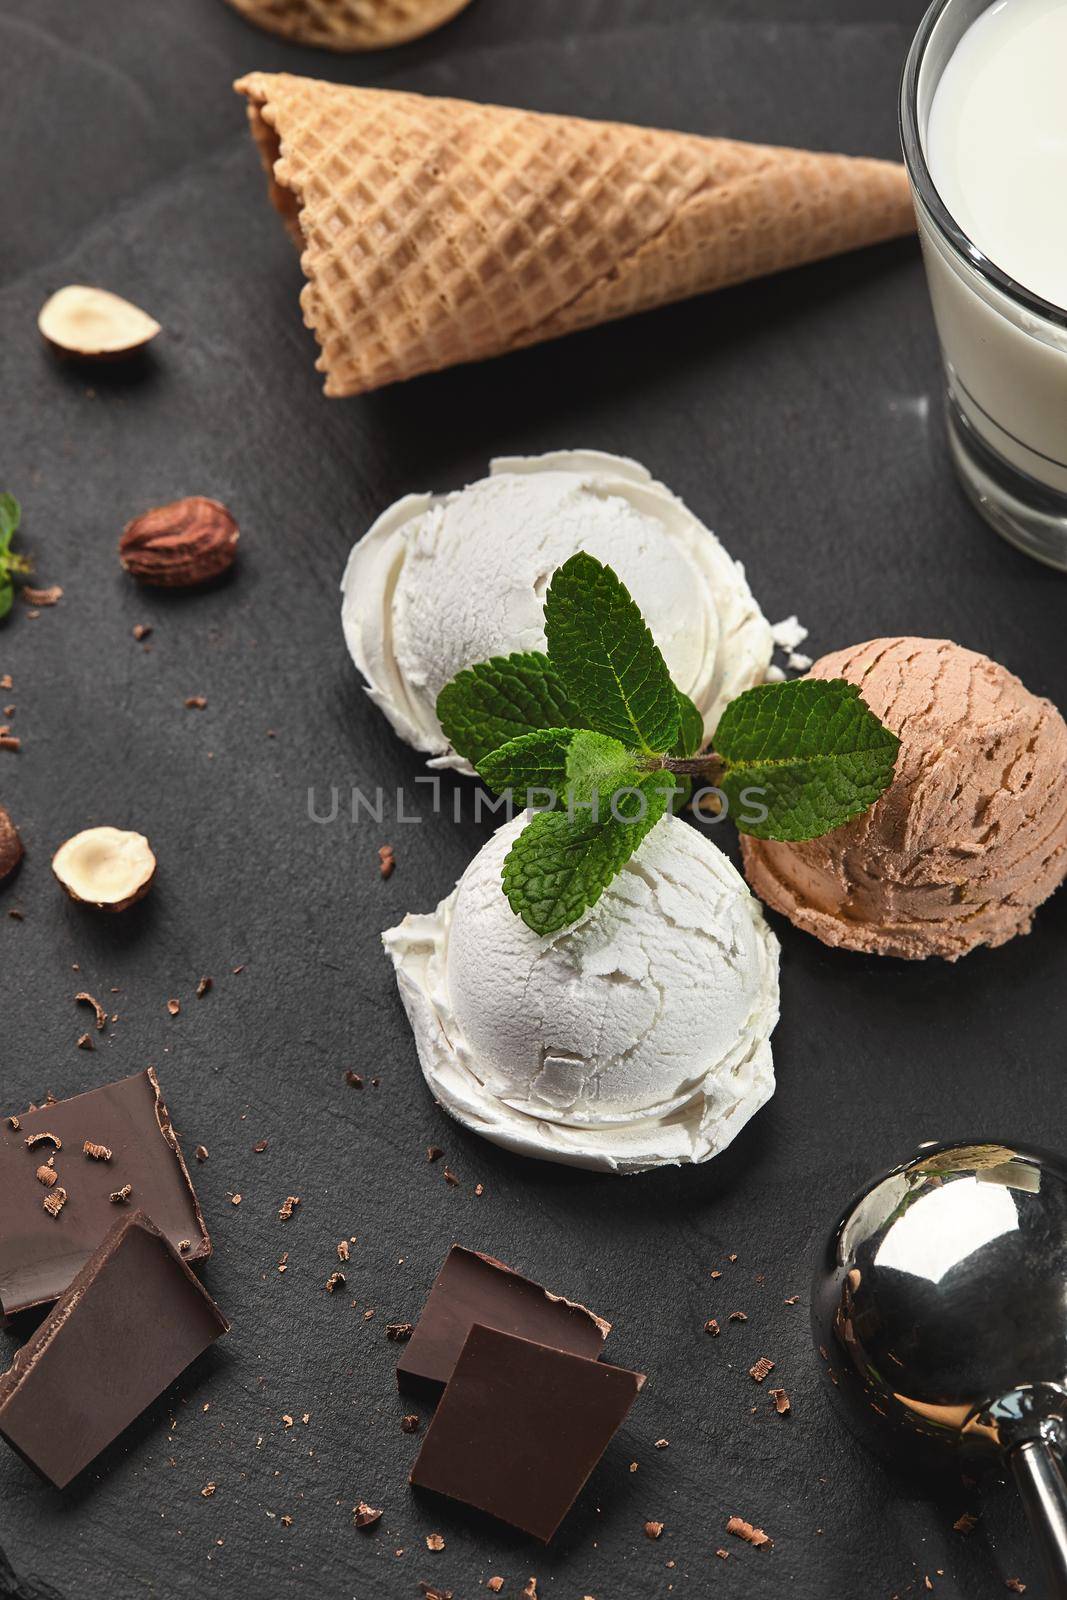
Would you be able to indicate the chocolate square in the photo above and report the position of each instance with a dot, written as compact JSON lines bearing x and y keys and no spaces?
{"x":41,"y":1253}
{"x":471,"y":1288}
{"x":134,"y":1317}
{"x":520,"y":1427}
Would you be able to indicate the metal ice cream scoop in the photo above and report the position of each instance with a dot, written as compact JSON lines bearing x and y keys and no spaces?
{"x":940,"y":1312}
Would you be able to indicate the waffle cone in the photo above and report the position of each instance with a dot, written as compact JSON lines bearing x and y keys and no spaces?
{"x":349,"y":24}
{"x":436,"y":231}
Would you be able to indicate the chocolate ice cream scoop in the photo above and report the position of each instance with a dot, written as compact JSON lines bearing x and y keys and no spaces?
{"x":970,"y":837}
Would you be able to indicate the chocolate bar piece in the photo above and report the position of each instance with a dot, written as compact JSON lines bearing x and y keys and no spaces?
{"x":132,"y":1320}
{"x":128,"y":1126}
{"x":474,"y":1288}
{"x":520,"y":1427}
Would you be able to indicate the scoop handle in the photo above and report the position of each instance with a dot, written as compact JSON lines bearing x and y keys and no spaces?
{"x":1043,"y":1490}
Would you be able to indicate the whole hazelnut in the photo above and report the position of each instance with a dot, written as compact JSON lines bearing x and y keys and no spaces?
{"x":180,"y":545}
{"x":10,"y":846}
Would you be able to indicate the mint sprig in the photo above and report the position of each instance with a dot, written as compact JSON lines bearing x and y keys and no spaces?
{"x":10,"y":563}
{"x":599,"y":739}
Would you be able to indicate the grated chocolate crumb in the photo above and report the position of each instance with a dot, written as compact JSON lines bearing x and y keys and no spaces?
{"x":751,"y":1535}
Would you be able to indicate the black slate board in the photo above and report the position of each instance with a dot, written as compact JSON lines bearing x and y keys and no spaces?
{"x":801,"y":419}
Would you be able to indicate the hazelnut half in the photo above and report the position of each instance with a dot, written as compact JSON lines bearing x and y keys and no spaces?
{"x":105,"y":867}
{"x":10,"y":846}
{"x":94,"y":323}
{"x":180,"y":545}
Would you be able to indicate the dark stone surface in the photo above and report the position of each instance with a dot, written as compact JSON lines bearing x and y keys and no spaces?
{"x":801,"y":418}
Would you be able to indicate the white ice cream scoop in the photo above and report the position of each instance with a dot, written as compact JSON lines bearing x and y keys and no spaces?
{"x":441,"y":582}
{"x":639,"y":1037}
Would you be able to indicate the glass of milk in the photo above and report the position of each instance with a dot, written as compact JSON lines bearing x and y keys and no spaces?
{"x":984,"y":129}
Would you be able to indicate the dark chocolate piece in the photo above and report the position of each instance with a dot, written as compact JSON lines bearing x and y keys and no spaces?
{"x":134,"y":1317}
{"x":41,"y":1253}
{"x":520,"y":1427}
{"x":474,"y":1288}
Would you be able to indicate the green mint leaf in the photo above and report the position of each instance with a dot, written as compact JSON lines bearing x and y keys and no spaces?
{"x":558,"y":867}
{"x":7,"y":595}
{"x":817,"y":752}
{"x":606,"y":658}
{"x":483,"y":707}
{"x":10,"y":517}
{"x":691,"y":728}
{"x":532,"y":762}
{"x":601,"y":766}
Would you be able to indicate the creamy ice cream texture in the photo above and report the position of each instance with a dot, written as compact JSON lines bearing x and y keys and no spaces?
{"x":970,"y":837}
{"x":639,"y":1037}
{"x":443,"y":581}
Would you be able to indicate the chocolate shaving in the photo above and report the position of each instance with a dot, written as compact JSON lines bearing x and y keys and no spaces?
{"x":118,"y":1197}
{"x":399,"y":1331}
{"x":530,"y":1591}
{"x":204,"y":987}
{"x":386,"y":860}
{"x":430,"y":1593}
{"x":751,"y":1535}
{"x":84,"y":999}
{"x":208,"y":1490}
{"x":653,"y":1530}
{"x":435,"y":1541}
{"x":365,"y":1516}
{"x":288,"y":1206}
{"x":495,"y":1584}
{"x":965,"y":1524}
{"x":781,"y":1402}
{"x":761,"y":1369}
{"x":1016,"y":1585}
{"x":184,"y":1245}
{"x":200,"y":1152}
{"x":196,"y":702}
{"x":34,"y":1139}
{"x":54,"y":1201}
{"x":342,"y":1250}
{"x":662,"y":1444}
{"x":712,"y":1327}
{"x":335,"y":1281}
{"x":42,"y":597}
{"x":738,"y":1316}
{"x":792,"y":1301}
{"x":46,"y":1175}
{"x":450,"y":1177}
{"x":14,"y":1124}
{"x":174,"y":1006}
{"x":96,"y":1152}
{"x":259,"y":1146}
{"x":434,"y":1152}
{"x":409,"y":1424}
{"x":353,"y":1080}
{"x":85,"y":1042}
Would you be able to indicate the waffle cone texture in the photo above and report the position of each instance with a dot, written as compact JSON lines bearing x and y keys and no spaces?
{"x":436,"y":231}
{"x":349,"y":24}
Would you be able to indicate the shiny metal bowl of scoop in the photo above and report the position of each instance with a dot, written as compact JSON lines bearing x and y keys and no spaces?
{"x":940,"y":1315}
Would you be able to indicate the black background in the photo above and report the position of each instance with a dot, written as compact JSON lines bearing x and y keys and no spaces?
{"x":801,"y":418}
